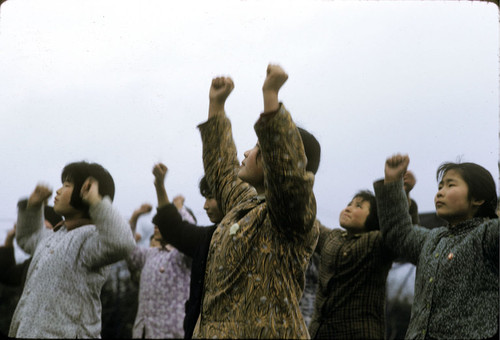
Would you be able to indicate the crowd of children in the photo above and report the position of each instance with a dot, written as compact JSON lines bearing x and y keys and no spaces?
{"x":244,"y":276}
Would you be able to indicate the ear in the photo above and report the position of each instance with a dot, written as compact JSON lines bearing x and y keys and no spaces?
{"x":476,"y":203}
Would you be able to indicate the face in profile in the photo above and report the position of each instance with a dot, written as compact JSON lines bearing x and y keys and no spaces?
{"x":353,"y":217}
{"x":212,"y":209}
{"x":62,"y":200}
{"x":251,"y":170}
{"x":156,"y":239}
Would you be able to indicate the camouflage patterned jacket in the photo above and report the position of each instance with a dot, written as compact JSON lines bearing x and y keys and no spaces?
{"x":260,"y":251}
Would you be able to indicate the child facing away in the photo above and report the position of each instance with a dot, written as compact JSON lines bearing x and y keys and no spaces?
{"x":69,"y":263}
{"x":456,"y":284}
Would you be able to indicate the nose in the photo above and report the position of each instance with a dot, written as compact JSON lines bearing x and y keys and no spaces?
{"x":246,"y":153}
{"x":205,"y":206}
{"x":58,"y":191}
{"x":439,"y":193}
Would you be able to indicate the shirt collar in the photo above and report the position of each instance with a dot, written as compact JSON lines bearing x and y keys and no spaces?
{"x":259,"y":198}
{"x":73,"y":224}
{"x":465,"y":226}
{"x":347,"y":235}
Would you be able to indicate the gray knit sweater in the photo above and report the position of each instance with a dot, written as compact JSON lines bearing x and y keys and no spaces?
{"x":61,"y":295}
{"x":456,"y":284}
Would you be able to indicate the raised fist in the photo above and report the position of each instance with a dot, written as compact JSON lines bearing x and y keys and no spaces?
{"x":178,"y":201}
{"x":160,"y":172}
{"x":275,"y":78}
{"x":90,"y":191}
{"x":220,"y":89}
{"x":395,"y":167}
{"x":39,"y":195}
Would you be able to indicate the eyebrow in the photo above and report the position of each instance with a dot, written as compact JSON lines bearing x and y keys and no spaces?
{"x":448,"y":180}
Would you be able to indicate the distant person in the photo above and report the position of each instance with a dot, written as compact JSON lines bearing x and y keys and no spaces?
{"x":119,"y":295}
{"x":260,"y":251}
{"x":11,"y":273}
{"x":456,"y":285}
{"x":69,"y":265}
{"x":190,"y":239}
{"x":164,"y":281}
{"x":306,"y":303}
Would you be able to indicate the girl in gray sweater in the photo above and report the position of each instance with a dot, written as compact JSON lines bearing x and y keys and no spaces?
{"x":456,"y":284}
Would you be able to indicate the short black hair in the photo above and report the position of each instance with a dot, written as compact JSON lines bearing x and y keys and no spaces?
{"x":312,"y":150}
{"x":78,"y":172}
{"x":51,"y":216}
{"x":371,"y":222}
{"x":480,"y":183}
{"x":205,"y":190}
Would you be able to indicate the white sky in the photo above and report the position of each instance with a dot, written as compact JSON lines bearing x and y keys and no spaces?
{"x":125,"y":83}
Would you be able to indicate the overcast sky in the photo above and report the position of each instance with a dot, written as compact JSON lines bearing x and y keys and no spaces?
{"x":125,"y":83}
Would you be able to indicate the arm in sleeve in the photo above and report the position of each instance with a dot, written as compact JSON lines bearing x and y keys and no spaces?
{"x":181,"y":234}
{"x":221,"y":164}
{"x":113,"y":240}
{"x":135,"y":261}
{"x":490,"y":242}
{"x":323,"y":234}
{"x":403,"y":239}
{"x":30,"y":227}
{"x":289,"y":187}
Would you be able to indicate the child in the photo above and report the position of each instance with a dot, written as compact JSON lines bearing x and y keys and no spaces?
{"x":456,"y":284}
{"x":68,"y":269}
{"x":188,"y":238}
{"x":350,"y":300}
{"x":164,"y":278}
{"x":259,"y":252}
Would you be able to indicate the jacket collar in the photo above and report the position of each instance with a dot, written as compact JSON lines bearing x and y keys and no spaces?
{"x":73,"y":224}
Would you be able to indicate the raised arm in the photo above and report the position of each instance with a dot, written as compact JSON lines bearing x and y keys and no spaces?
{"x":182,"y":234}
{"x":404,"y":239}
{"x":160,"y":171}
{"x":219,"y":151}
{"x":323,"y":235}
{"x":289,"y":187}
{"x":30,"y":219}
{"x":113,"y":240}
{"x":143,"y":209}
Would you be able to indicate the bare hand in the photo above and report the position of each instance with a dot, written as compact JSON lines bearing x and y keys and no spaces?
{"x":220,"y":89}
{"x":179,"y":201}
{"x":395,"y":167}
{"x":409,"y":181}
{"x":143,"y":209}
{"x":160,"y":172}
{"x":39,"y":195}
{"x":275,"y":78}
{"x":90,"y":191}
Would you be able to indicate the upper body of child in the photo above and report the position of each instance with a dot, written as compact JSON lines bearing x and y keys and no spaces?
{"x":350,"y":300}
{"x":69,"y":263}
{"x":456,"y":284}
{"x":190,"y":239}
{"x":260,"y":251}
{"x":164,"y":280}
